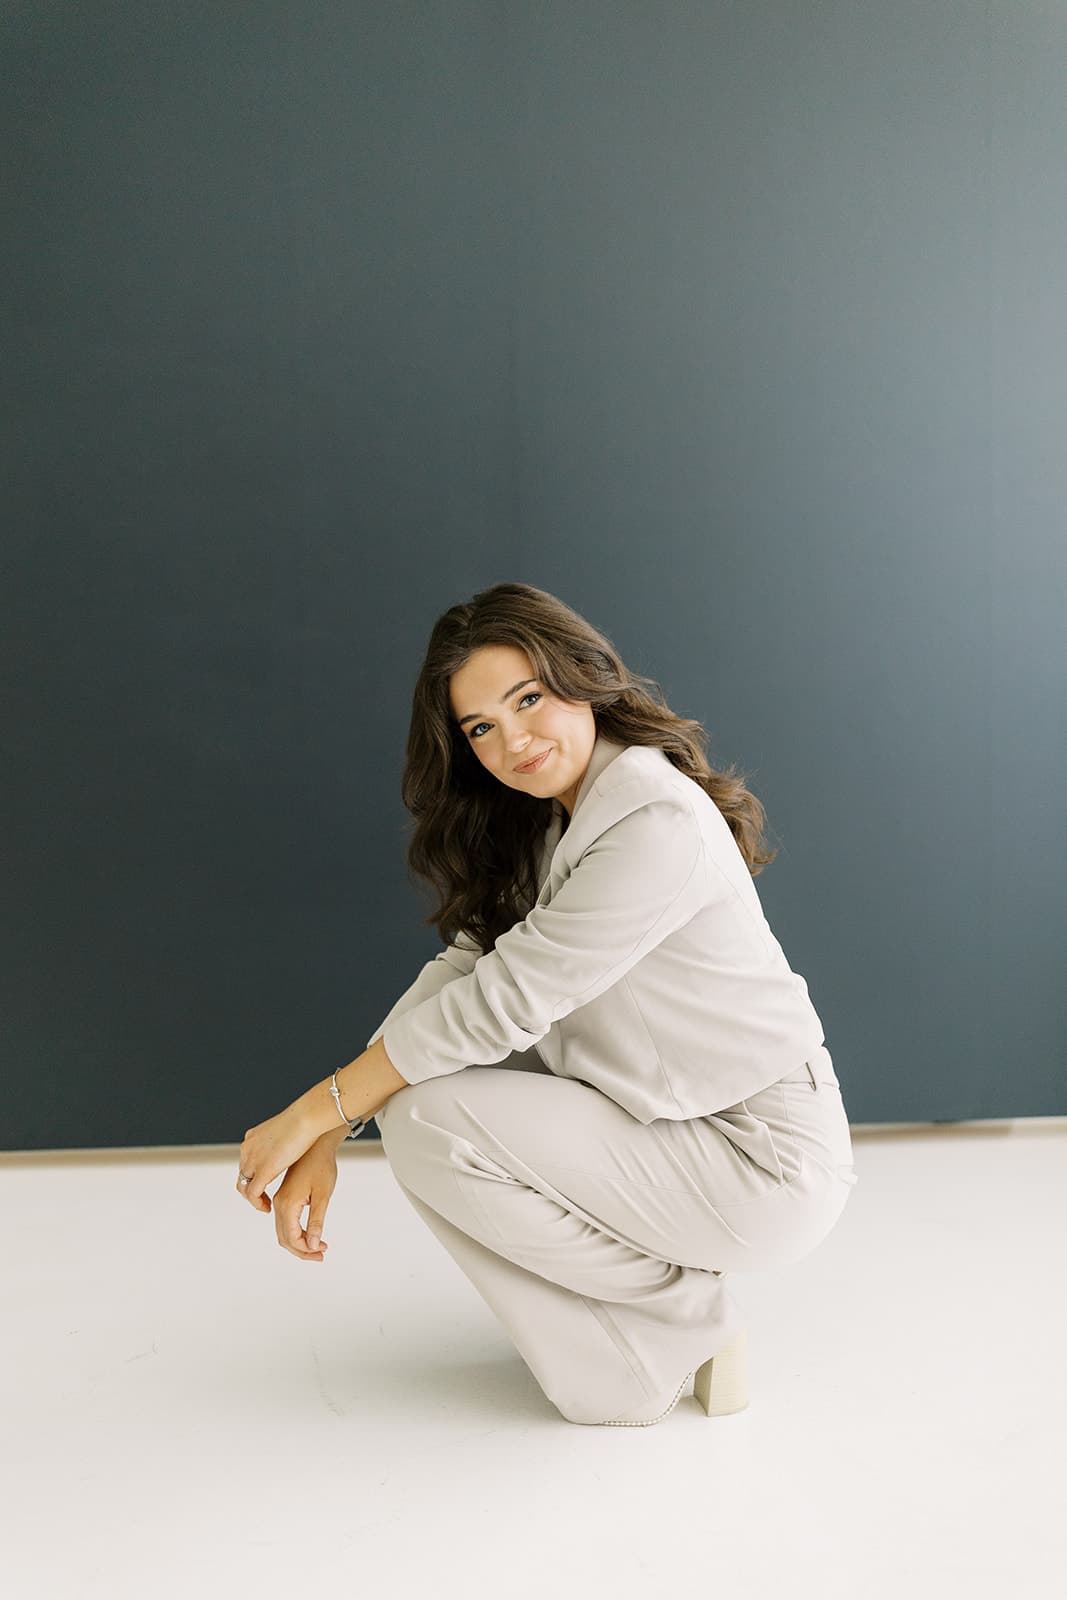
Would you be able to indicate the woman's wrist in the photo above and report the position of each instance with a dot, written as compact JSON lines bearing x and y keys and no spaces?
{"x":364,"y":1085}
{"x":319,"y":1107}
{"x":333,"y":1138}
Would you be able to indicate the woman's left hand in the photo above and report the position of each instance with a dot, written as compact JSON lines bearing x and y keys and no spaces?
{"x":270,"y":1148}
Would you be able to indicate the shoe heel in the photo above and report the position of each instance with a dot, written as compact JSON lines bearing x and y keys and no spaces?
{"x":720,"y":1384}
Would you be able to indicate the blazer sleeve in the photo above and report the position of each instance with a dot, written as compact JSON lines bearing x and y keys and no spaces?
{"x":454,"y":961}
{"x":639,"y":880}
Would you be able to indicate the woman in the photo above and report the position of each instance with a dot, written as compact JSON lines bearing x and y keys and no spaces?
{"x":609,"y":1088}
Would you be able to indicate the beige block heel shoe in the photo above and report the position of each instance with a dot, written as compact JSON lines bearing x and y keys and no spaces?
{"x":719,"y":1386}
{"x":720,"y":1383}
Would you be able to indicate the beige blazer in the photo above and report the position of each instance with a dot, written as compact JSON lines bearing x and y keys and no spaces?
{"x":645,"y":967}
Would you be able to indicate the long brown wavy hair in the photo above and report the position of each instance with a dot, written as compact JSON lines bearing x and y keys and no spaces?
{"x":478,"y":842}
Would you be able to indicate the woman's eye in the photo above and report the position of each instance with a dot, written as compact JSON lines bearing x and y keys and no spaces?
{"x":531,"y":694}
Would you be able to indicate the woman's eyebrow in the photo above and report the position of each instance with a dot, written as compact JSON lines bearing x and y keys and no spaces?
{"x":475,"y":716}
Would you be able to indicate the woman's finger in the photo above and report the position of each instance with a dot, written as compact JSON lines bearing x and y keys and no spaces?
{"x":292,"y":1237}
{"x":287,"y":1225}
{"x":315,"y":1221}
{"x":253,"y":1191}
{"x":252,"y":1163}
{"x":260,"y":1202}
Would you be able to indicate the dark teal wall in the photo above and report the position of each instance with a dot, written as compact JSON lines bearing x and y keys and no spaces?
{"x":740,"y":327}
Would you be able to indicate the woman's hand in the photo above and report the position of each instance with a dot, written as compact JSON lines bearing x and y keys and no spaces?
{"x":272,"y":1146}
{"x":309,"y":1183}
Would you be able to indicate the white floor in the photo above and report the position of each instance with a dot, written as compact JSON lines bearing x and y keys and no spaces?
{"x":190,"y":1411}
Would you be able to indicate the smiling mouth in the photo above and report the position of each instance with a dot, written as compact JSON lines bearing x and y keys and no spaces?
{"x":532,"y":766}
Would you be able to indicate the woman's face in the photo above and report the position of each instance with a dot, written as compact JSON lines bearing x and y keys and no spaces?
{"x":530,"y":721}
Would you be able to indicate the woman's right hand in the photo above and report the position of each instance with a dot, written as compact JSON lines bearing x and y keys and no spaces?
{"x":309,"y":1182}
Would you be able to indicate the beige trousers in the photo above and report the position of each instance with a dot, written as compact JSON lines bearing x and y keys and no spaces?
{"x":601,"y":1243}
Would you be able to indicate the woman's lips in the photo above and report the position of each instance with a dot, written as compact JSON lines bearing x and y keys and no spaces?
{"x":535,"y":766}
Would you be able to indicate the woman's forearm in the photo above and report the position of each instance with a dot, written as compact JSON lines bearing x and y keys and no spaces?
{"x":365,"y":1085}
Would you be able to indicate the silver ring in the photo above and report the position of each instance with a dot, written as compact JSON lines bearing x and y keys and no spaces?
{"x":243,"y":1179}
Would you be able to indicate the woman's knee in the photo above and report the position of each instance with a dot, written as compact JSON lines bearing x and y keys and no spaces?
{"x":399,"y":1111}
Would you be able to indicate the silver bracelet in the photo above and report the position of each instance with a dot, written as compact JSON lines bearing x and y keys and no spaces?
{"x":354,"y":1128}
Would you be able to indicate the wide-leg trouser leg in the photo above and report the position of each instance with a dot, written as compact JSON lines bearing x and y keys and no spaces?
{"x":574,"y":1345}
{"x":599,"y":1242}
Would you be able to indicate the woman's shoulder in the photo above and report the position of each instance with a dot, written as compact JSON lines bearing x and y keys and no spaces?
{"x":646,"y":771}
{"x":635,"y":760}
{"x":640,"y":779}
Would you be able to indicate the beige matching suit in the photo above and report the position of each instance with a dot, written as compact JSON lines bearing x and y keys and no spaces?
{"x":628,"y":1097}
